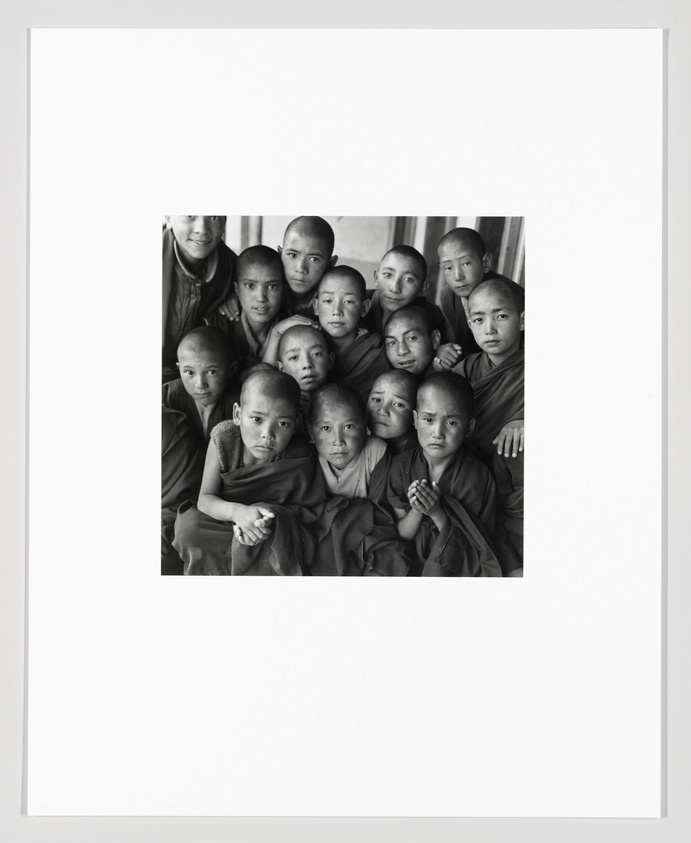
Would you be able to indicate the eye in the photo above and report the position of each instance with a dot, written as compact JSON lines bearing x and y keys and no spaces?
{"x":349,"y":426}
{"x":190,"y":217}
{"x":327,"y":300}
{"x":409,"y":280}
{"x":212,"y":372}
{"x":315,"y":260}
{"x":375,"y":401}
{"x":412,"y":338}
{"x":284,"y":424}
{"x":325,"y":428}
{"x":290,"y":254}
{"x":256,"y":419}
{"x":215,"y":219}
{"x":248,"y":285}
{"x":317,"y":354}
{"x":292,"y":357}
{"x":398,"y":404}
{"x":390,"y":343}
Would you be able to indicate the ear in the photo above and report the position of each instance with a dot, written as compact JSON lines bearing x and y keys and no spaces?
{"x":332,"y":262}
{"x":168,"y":225}
{"x":376,"y":275}
{"x":177,"y":364}
{"x":315,"y":306}
{"x":470,"y":428}
{"x":415,"y":419}
{"x":279,"y":365}
{"x":279,"y":249}
{"x":523,"y":321}
{"x":332,"y":359}
{"x":424,"y":288}
{"x":487,"y":261}
{"x":236,"y":414}
{"x":367,"y":303}
{"x":436,"y":339}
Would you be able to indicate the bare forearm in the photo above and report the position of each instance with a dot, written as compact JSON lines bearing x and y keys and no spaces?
{"x":409,"y":524}
{"x":217,"y":508}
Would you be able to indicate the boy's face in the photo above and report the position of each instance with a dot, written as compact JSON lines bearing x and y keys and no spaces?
{"x":266,"y":423}
{"x":441,"y":423}
{"x":204,"y":374}
{"x":339,"y":305}
{"x":306,"y":358}
{"x":462,"y":268}
{"x":306,"y":258}
{"x":338,"y":432}
{"x":495,"y":324}
{"x":197,"y":237}
{"x":407,"y":344}
{"x":260,"y":291}
{"x":390,"y":408}
{"x":399,"y":281}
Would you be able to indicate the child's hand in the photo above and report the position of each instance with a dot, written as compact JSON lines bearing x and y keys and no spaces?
{"x":511,"y":438}
{"x":230,"y":308}
{"x":291,"y":322}
{"x":447,"y":356}
{"x":425,"y":497}
{"x":254,"y":523}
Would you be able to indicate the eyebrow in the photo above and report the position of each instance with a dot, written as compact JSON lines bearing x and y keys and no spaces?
{"x":405,"y":271}
{"x":492,"y":310}
{"x":302,"y":347}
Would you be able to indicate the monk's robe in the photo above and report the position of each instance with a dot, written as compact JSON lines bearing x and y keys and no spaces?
{"x":454,"y":309}
{"x":310,"y":533}
{"x":353,"y":480}
{"x":182,"y":465}
{"x":243,"y":344}
{"x":361,"y":363}
{"x":188,"y":297}
{"x":499,"y":399}
{"x":380,"y":474}
{"x":177,"y":398}
{"x":374,"y":320}
{"x":464,"y":547}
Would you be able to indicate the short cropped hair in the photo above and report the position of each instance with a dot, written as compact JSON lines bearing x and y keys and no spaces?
{"x":298,"y":329}
{"x":412,"y":254}
{"x":417,"y":313}
{"x":262,"y":255}
{"x":276,"y":384}
{"x":453,"y":383}
{"x":465,"y":235}
{"x":339,"y":393}
{"x":349,"y":272}
{"x":504,"y":287}
{"x":206,"y":339}
{"x":316,"y":226}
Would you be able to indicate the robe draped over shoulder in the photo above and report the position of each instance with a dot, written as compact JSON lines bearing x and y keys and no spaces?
{"x":464,"y":547}
{"x":311,"y":533}
{"x":361,"y":363}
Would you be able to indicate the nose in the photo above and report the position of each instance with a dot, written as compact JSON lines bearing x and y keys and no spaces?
{"x":301,"y":265}
{"x":308,"y":363}
{"x":337,"y":436}
{"x":337,"y":308}
{"x":438,"y":430}
{"x":458,"y":273}
{"x":262,"y":294}
{"x":382,"y":410}
{"x":268,"y":432}
{"x":490,"y":327}
{"x":402,"y":349}
{"x":201,"y":225}
{"x":395,"y":285}
{"x":200,"y":380}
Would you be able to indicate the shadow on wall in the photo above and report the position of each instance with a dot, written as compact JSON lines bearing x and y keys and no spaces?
{"x":361,"y":242}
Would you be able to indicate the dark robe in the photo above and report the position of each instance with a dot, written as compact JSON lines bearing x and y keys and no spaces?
{"x":245,"y":352}
{"x":499,"y":399}
{"x":374,"y":320}
{"x":310,"y":534}
{"x":454,"y":312}
{"x":361,"y":364}
{"x":464,"y":546}
{"x":182,"y":465}
{"x":186,"y":301}
{"x":176,"y":397}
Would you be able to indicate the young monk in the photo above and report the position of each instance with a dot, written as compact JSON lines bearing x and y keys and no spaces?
{"x":347,"y":454}
{"x":197,"y":278}
{"x":496,"y":311}
{"x":306,"y":253}
{"x":444,"y":498}
{"x":410,"y":341}
{"x":304,"y":355}
{"x":401,"y":280}
{"x":240,"y":525}
{"x":464,"y":262}
{"x":204,"y":392}
{"x":339,"y":306}
{"x":390,"y":410}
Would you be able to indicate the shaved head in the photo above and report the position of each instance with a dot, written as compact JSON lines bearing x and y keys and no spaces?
{"x":277,"y":385}
{"x":450,"y":384}
{"x":466,"y":236}
{"x":347,"y":272}
{"x":259,"y":256}
{"x":299,"y":333}
{"x":405,"y":382}
{"x":313,"y":227}
{"x":411,"y":254}
{"x":505,"y":290}
{"x":336,"y":393}
{"x":421,"y":318}
{"x":205,"y":340}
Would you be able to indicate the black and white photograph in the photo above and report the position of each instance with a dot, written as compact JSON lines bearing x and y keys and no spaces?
{"x":343,"y":396}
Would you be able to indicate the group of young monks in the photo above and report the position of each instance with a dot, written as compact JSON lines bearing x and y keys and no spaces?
{"x":314,"y":427}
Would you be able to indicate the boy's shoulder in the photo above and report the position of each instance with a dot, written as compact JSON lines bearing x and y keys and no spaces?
{"x":374,"y":449}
